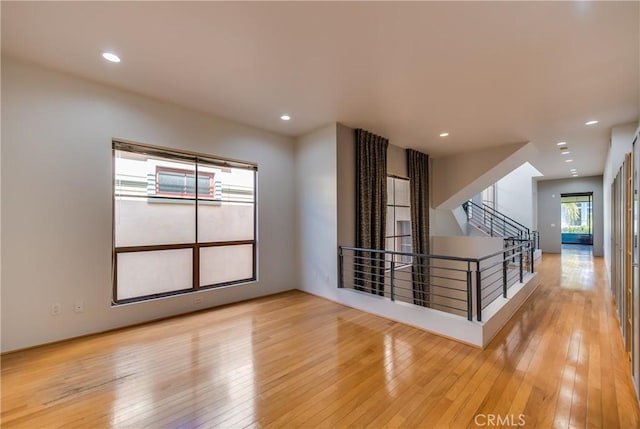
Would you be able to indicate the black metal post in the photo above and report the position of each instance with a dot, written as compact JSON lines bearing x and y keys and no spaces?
{"x":341,"y":265}
{"x":521,"y":263}
{"x":505,"y":263}
{"x":533,"y":250}
{"x":478,"y":292}
{"x":393,"y":271}
{"x":469,"y":294}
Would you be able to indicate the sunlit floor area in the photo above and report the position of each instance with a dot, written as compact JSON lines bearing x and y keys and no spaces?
{"x":294,"y":360}
{"x":577,"y":267}
{"x":573,"y":250}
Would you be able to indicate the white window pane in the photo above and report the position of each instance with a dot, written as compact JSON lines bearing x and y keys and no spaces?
{"x":223,"y":264}
{"x":404,"y":227}
{"x":402,"y":192}
{"x":233,"y":184}
{"x":390,"y":244}
{"x":403,"y":214}
{"x":225,"y":221}
{"x":404,"y":245}
{"x":390,"y":197}
{"x":142,"y":221}
{"x":390,"y":230}
{"x":147,"y":273}
{"x":142,"y":175}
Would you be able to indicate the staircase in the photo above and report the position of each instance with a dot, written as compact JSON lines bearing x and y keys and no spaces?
{"x":492,"y":223}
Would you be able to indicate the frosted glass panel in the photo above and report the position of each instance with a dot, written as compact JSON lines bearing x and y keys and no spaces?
{"x":225,"y":221}
{"x":390,"y":222}
{"x":145,"y":212}
{"x":402,"y":214}
{"x":147,"y":273}
{"x":146,"y":175}
{"x":230,"y":184}
{"x":389,"y":244}
{"x":139,"y":222}
{"x":402,"y":192}
{"x":225,"y":264}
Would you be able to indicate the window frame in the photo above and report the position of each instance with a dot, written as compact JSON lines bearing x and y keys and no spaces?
{"x":195,"y":246}
{"x":400,"y":261}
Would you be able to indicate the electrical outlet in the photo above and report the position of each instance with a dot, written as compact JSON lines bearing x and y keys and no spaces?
{"x":78,"y":307}
{"x":55,"y":309}
{"x":197,"y":300}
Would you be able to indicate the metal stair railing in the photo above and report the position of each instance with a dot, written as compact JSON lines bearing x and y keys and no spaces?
{"x":494,"y":223}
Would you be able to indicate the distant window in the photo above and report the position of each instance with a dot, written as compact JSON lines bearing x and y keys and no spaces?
{"x":174,"y":234}
{"x":175,"y":182}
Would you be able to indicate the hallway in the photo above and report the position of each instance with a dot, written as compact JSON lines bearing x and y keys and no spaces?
{"x":581,"y":377}
{"x":295,"y":360}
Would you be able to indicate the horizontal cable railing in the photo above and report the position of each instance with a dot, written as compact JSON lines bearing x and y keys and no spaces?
{"x":494,"y":223}
{"x":502,"y":216}
{"x":461,"y":286}
{"x":497,"y":224}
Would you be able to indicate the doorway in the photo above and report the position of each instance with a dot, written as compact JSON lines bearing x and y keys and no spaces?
{"x":577,"y":219}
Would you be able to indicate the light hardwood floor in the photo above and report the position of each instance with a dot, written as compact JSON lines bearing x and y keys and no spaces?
{"x":294,"y":360}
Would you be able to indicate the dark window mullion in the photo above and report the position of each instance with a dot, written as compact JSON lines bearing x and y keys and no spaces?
{"x":196,"y":248}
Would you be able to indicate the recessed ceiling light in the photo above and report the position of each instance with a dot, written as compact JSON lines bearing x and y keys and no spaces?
{"x":573,"y":170}
{"x":285,"y":117}
{"x":568,"y":160}
{"x":575,"y":175}
{"x":444,"y":134}
{"x":561,"y":143}
{"x":591,"y":122}
{"x":109,"y":56}
{"x":566,"y":152}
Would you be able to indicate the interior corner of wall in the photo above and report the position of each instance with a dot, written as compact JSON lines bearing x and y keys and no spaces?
{"x":483,"y":168}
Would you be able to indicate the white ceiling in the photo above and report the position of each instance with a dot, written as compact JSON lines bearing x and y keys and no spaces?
{"x":488,"y":73}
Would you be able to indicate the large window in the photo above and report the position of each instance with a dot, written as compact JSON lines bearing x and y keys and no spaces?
{"x":398,"y":230}
{"x":175,"y":234}
{"x":576,"y":218}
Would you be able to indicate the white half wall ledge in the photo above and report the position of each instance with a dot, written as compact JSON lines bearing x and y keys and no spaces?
{"x":499,"y":312}
{"x":457,"y":178}
{"x":458,"y":328}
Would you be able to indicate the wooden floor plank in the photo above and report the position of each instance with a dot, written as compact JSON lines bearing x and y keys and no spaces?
{"x":294,"y":360}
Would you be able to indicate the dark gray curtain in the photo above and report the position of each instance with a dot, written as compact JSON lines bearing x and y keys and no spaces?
{"x":418,"y":170}
{"x":371,"y":209}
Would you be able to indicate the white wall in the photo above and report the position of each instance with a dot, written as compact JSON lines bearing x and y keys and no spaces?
{"x":515,"y":194}
{"x":317,"y":211}
{"x":456,"y":178}
{"x":346,"y":183}
{"x":57,"y":203}
{"x":447,"y":222}
{"x":621,"y":144}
